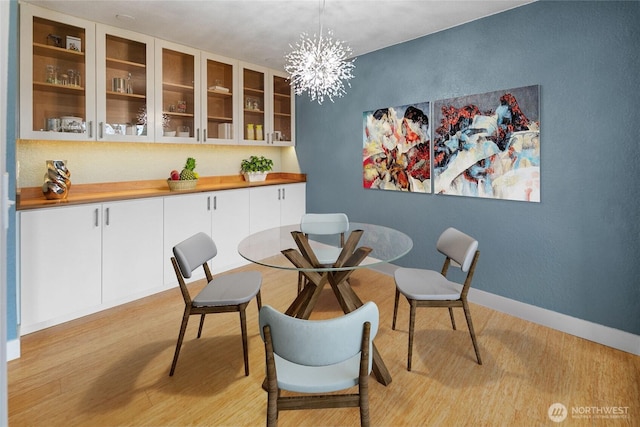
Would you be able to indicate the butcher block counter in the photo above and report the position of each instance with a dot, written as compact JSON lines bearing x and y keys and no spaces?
{"x":33,"y":198}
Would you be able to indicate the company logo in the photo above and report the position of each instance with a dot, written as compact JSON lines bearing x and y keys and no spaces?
{"x":557,"y":412}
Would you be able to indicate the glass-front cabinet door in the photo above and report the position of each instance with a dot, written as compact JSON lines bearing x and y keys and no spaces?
{"x":57,"y":82}
{"x":124,"y":85}
{"x":254,"y":108}
{"x":177,"y":78}
{"x":283,"y":110}
{"x":219,"y":107}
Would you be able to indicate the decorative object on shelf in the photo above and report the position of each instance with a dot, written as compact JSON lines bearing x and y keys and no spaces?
{"x":141,"y":121}
{"x":250,"y":131}
{"x":187,"y":179}
{"x":184,"y":131}
{"x":259,"y":135}
{"x":256,"y":168}
{"x":182,"y":107}
{"x":57,"y":180}
{"x":118,"y":85}
{"x":319,"y":65}
{"x":74,"y":43}
{"x":54,"y":40}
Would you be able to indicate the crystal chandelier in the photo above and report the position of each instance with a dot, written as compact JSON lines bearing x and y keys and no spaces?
{"x":319,"y":65}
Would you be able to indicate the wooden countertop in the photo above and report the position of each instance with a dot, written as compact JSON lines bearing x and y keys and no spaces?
{"x":33,"y":198}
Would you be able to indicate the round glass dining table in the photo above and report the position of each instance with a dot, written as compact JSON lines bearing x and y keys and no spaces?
{"x":366,"y":245}
{"x":265,"y":247}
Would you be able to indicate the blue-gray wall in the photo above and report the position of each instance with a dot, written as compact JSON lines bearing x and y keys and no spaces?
{"x":577,"y":251}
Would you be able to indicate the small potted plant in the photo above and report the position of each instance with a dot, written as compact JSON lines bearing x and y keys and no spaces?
{"x":256,"y":168}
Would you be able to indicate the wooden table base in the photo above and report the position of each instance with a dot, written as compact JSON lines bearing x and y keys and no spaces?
{"x":349,"y":259}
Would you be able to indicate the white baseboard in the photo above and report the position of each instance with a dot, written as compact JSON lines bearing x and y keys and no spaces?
{"x":600,"y":334}
{"x":13,"y":349}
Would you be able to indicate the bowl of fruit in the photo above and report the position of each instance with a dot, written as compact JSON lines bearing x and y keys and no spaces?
{"x":187,"y":179}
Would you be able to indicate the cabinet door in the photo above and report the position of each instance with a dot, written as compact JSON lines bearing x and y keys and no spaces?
{"x":220,"y":102}
{"x":230,"y":226}
{"x":60,"y":265}
{"x":254,"y":125}
{"x":131,"y":249}
{"x":125,"y":89}
{"x":184,"y":216}
{"x":57,"y":76}
{"x":264,"y":208}
{"x":177,"y":77}
{"x":282,"y":129}
{"x":293,"y":203}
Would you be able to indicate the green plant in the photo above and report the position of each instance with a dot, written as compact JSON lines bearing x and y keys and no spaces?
{"x":256,"y":164}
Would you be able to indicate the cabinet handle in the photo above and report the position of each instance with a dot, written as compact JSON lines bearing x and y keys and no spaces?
{"x":101,"y":128}
{"x":279,"y":194}
{"x":198,"y":134}
{"x":208,"y":203}
{"x":97,"y":217}
{"x":107,"y":216}
{"x":283,"y":194}
{"x":215,"y":202}
{"x":91,"y":129}
{"x":204,"y":135}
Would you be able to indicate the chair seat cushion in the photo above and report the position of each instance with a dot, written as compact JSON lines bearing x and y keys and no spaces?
{"x":229,"y":289}
{"x":317,"y":379}
{"x":420,"y":284}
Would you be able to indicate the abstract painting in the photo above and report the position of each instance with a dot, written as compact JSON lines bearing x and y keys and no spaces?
{"x":396,"y":148}
{"x":488,"y":145}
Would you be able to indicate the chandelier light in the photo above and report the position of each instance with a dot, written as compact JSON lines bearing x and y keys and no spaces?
{"x":319,"y":66}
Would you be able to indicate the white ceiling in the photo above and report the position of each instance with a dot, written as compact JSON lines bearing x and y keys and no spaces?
{"x":261,"y":31}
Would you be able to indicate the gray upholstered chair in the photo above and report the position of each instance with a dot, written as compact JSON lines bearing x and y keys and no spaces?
{"x":316,"y":358}
{"x":222,"y":294}
{"x":428,"y":288}
{"x":323,"y":225}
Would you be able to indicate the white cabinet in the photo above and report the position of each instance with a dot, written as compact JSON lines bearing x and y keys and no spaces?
{"x":272,"y":206}
{"x":131,"y":249}
{"x":223,"y":215}
{"x":293,"y":203}
{"x":219,"y":100}
{"x":77,"y":260}
{"x":229,"y":226}
{"x":54,"y":49}
{"x":178,"y":91}
{"x":124,"y":85}
{"x":184,"y":216}
{"x":267,"y":107}
{"x":60,"y":264}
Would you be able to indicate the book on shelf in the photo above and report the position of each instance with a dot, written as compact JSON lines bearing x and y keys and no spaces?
{"x":219,"y":89}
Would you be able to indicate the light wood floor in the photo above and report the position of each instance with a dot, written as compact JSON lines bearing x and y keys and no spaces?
{"x":112,"y":369}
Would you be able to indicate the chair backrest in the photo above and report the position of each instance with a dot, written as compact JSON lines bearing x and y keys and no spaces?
{"x":319,"y":342}
{"x":194,"y":252}
{"x":330,"y":223}
{"x":458,"y":246}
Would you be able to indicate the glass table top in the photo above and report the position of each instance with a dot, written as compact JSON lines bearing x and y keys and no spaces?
{"x":265,"y":247}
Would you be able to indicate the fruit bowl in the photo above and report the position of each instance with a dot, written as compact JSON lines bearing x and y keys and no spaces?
{"x":182,"y":185}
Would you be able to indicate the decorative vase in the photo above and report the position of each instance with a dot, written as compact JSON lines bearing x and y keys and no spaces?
{"x":255,"y":176}
{"x":56,"y":180}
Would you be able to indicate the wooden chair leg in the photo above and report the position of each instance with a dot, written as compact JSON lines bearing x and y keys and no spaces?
{"x":453,"y":320}
{"x":412,"y":322}
{"x":201,"y":324}
{"x":245,"y":343}
{"x":183,"y":328}
{"x":467,"y":314}
{"x":259,"y":300}
{"x":270,"y":383}
{"x":395,"y":310}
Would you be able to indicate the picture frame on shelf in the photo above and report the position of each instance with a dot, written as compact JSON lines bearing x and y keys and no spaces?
{"x":74,"y":43}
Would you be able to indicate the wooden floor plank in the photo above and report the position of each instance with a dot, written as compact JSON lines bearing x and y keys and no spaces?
{"x":111,"y":368}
